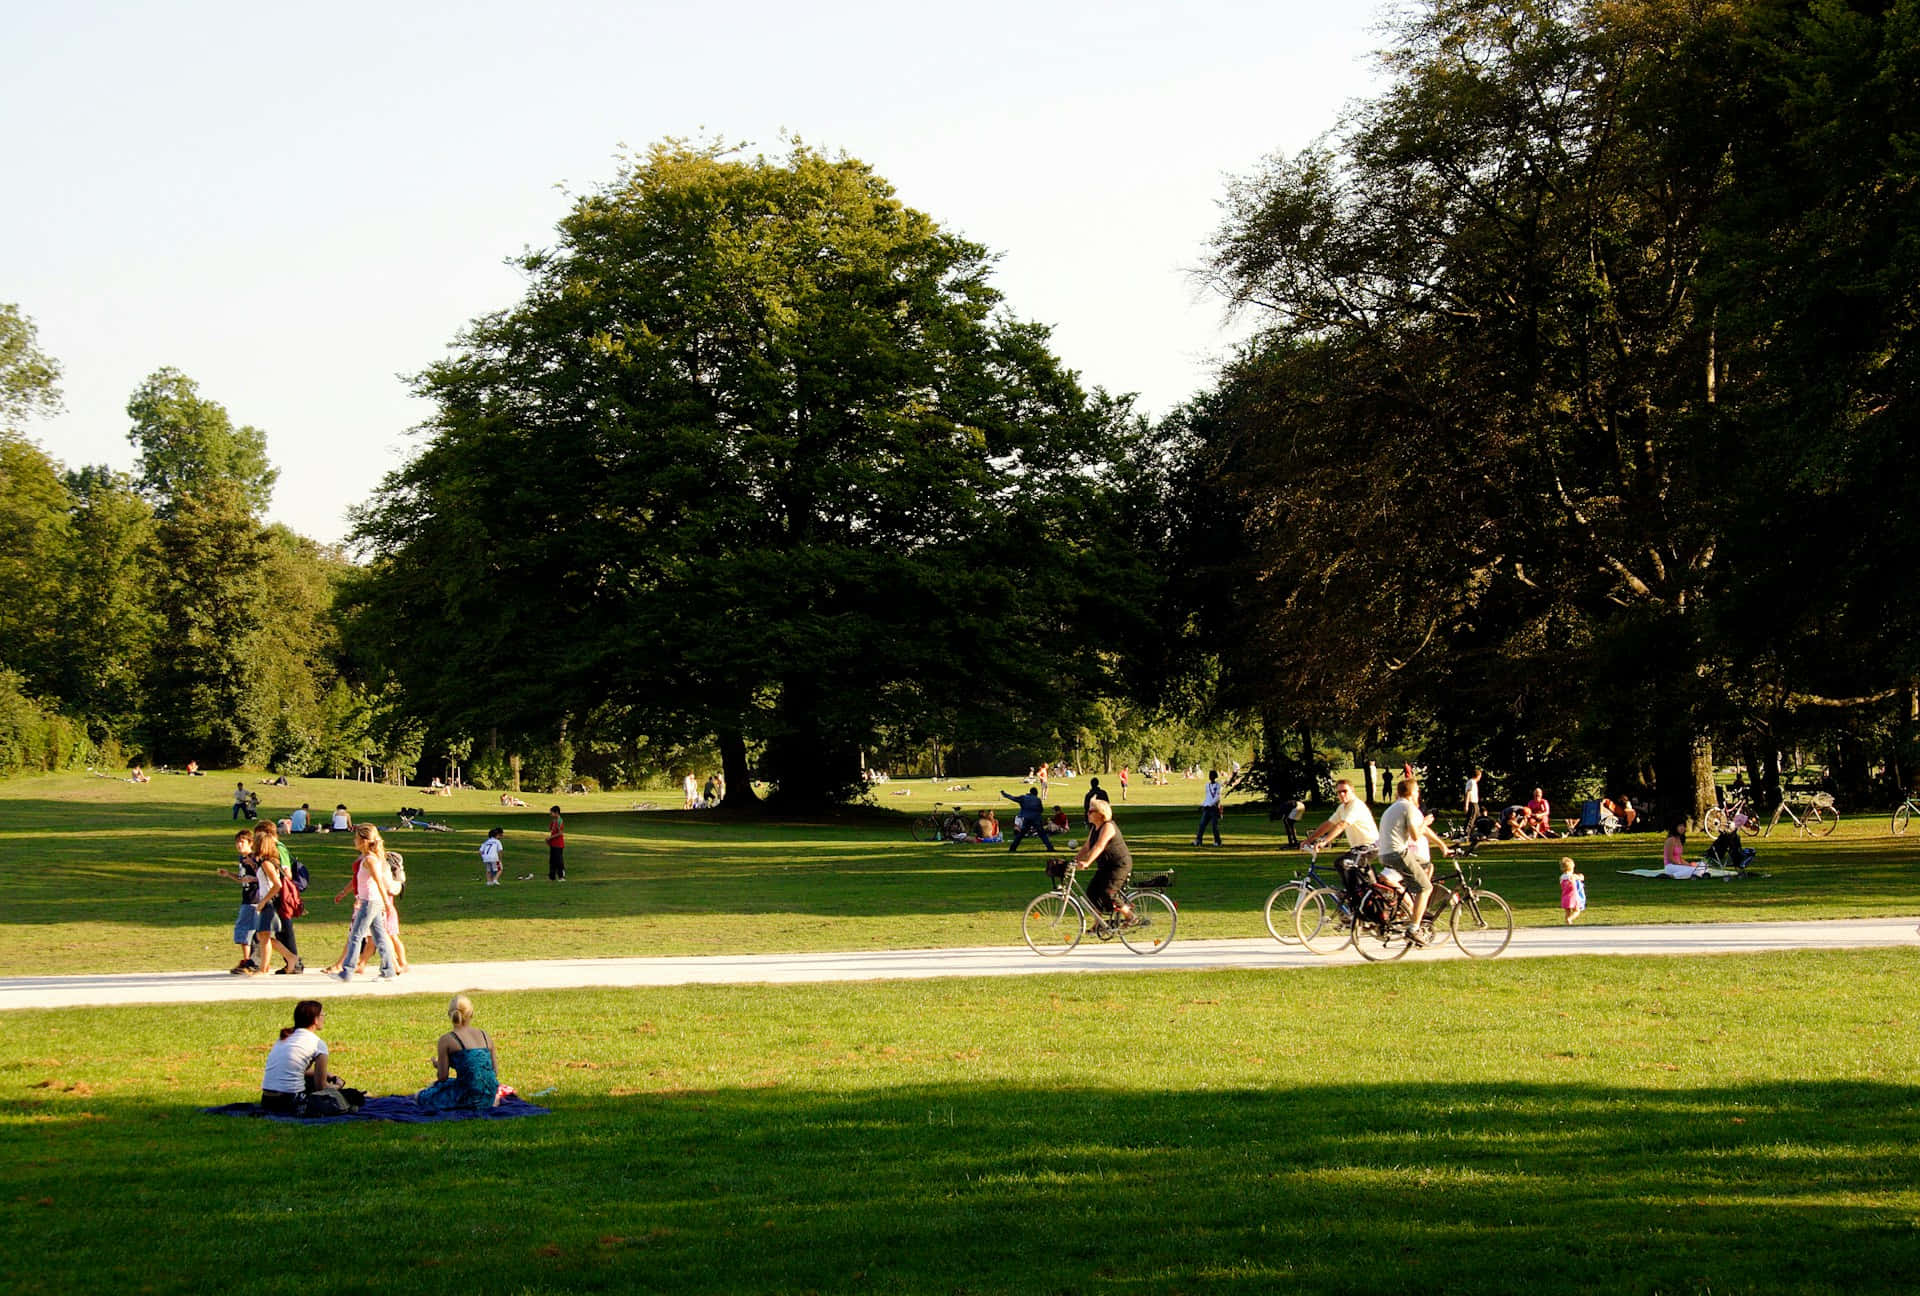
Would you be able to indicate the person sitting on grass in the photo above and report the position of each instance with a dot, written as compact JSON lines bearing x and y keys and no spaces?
{"x":988,"y":828}
{"x":296,"y":1081}
{"x":1674,"y":863}
{"x":1539,"y":812}
{"x":467,"y":1053}
{"x":1060,"y":823}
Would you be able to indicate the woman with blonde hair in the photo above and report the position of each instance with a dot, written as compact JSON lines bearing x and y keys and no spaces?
{"x":467,"y":1053}
{"x":1112,"y":862}
{"x":372,"y":887}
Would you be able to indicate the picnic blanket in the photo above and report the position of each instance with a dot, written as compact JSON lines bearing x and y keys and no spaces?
{"x":1720,"y":873}
{"x":393,"y":1107}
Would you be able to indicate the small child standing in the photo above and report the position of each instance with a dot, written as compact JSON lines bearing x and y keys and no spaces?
{"x":491,"y":851}
{"x":557,"y":844}
{"x":1573,"y":891}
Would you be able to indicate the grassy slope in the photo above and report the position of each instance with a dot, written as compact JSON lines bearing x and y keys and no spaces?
{"x":99,"y":875}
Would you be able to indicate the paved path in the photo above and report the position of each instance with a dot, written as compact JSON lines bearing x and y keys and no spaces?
{"x":879,"y":965}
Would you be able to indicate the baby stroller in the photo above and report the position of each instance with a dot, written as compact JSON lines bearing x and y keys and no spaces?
{"x":1596,"y":818}
{"x":1728,"y":852}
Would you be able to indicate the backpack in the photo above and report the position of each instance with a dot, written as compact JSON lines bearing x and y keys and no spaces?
{"x":296,"y":870}
{"x":397,"y":870}
{"x":287,"y":900}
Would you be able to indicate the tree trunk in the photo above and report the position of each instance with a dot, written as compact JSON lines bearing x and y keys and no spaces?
{"x":1683,"y":780}
{"x":736,"y":774}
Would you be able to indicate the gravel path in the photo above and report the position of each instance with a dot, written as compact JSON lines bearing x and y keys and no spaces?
{"x":877,"y":965}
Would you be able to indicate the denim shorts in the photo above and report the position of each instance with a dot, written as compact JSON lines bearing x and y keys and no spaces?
{"x":245,"y":925}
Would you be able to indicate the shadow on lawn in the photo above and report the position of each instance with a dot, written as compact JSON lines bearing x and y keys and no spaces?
{"x":1336,"y":1188}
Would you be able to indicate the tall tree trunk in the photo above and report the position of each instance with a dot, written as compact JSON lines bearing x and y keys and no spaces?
{"x":1683,"y":780}
{"x":736,"y":773}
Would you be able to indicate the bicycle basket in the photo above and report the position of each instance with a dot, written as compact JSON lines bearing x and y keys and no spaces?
{"x":1056,"y":868}
{"x":1158,"y":882}
{"x":1824,"y":800}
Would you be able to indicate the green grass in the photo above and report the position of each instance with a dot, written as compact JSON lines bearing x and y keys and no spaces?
{"x":1619,"y":1125}
{"x":99,"y":876}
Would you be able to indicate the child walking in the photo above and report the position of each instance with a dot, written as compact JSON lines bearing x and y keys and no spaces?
{"x":491,"y":851}
{"x":1573,"y":891}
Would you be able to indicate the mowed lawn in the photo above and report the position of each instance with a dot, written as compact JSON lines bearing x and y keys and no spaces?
{"x":98,"y":875}
{"x":1712,"y":1124}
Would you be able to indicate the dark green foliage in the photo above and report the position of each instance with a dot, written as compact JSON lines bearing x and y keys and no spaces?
{"x":757,"y":456}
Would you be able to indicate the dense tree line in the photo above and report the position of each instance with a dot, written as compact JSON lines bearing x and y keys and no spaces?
{"x":1574,"y":434}
{"x":1572,"y":441}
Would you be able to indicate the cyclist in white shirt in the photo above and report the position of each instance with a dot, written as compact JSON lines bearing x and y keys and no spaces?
{"x":1402,"y":828}
{"x":1350,"y":815}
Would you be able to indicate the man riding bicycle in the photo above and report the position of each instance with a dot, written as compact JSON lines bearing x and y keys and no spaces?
{"x":1351,"y":816}
{"x":1403,"y":825}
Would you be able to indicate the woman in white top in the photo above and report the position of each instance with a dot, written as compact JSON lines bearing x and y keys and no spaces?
{"x":342,"y":821}
{"x":297,"y":1065}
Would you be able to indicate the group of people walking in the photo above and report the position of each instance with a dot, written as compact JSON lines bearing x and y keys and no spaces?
{"x":271,"y":882}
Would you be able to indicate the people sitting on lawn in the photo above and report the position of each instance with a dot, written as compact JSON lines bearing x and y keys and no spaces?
{"x":1515,"y":824}
{"x":1060,"y":823}
{"x":466,"y":1063}
{"x":987,"y":829}
{"x":1538,"y":811}
{"x":138,"y":776}
{"x":507,"y":800}
{"x":1674,"y":863}
{"x":296,"y":1081}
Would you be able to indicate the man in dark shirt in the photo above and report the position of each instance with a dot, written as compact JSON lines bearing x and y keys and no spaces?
{"x":1031,"y":819}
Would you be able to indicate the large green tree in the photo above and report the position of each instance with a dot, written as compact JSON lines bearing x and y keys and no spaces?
{"x":761,"y":456}
{"x":189,"y":444}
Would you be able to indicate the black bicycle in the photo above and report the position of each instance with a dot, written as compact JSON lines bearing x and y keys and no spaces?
{"x":1372,"y":914}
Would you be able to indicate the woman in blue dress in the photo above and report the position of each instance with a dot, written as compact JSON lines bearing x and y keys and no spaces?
{"x":466,"y":1064}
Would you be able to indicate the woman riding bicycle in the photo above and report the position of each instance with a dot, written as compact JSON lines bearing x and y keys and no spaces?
{"x":1112,"y":863}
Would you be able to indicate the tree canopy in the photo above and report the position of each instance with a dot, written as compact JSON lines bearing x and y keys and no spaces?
{"x":761,"y":455}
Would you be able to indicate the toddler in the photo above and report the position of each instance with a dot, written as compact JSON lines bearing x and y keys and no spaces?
{"x":491,"y":851}
{"x":1573,"y":891}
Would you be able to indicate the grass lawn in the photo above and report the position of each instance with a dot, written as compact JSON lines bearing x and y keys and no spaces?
{"x":100,"y":875}
{"x":1715,"y":1125}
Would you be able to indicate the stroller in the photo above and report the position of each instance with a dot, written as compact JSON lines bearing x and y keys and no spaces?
{"x":1595,"y":818}
{"x":1727,"y":852}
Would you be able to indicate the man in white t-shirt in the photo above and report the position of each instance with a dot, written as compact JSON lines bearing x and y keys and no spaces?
{"x":1210,"y":809}
{"x":1401,"y":825}
{"x":1471,"y":805}
{"x":1350,"y":815}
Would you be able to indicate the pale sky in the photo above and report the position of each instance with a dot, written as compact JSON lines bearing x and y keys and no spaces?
{"x":296,"y":206}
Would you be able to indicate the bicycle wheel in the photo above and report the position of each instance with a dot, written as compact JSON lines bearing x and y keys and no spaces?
{"x":1053,"y":923}
{"x":1822,"y":820}
{"x":1714,"y":822}
{"x":1774,"y":822}
{"x":1378,"y":942}
{"x":1154,"y":919}
{"x":1279,"y":912}
{"x":923,"y":828}
{"x":1482,"y":924}
{"x":1320,"y":923}
{"x":1901,"y":817}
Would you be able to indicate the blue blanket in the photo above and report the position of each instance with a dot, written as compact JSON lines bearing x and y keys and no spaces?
{"x":393,"y":1107}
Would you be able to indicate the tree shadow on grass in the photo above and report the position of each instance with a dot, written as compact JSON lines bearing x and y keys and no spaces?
{"x":1343,"y":1187}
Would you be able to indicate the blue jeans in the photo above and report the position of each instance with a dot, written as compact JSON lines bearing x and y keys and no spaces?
{"x":1209,"y":818}
{"x":369,"y":917}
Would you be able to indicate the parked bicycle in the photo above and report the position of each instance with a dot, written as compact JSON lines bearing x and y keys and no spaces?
{"x":940,"y":825}
{"x":1816,"y":817}
{"x":1738,"y":812}
{"x":1372,"y":914}
{"x":1904,"y":815}
{"x":1055,"y":920}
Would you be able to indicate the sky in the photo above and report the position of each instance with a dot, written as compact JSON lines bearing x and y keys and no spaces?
{"x":299,"y":208}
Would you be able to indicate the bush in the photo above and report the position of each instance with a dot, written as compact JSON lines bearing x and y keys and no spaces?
{"x":34,"y":738}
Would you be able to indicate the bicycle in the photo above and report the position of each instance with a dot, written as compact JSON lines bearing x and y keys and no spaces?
{"x":1287,"y":896}
{"x":1904,"y":814}
{"x":1820,"y":819}
{"x":1369,"y":914}
{"x":1736,"y":813}
{"x":940,"y":825}
{"x":1054,"y":921}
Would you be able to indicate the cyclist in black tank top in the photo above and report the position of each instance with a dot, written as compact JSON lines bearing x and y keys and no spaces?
{"x":1112,"y":863}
